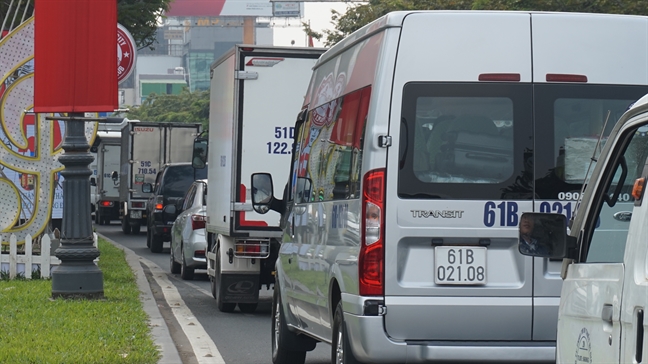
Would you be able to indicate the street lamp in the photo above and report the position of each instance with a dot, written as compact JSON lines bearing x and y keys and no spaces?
{"x":77,"y":276}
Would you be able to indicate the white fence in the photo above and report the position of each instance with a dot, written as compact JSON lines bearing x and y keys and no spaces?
{"x":25,"y":262}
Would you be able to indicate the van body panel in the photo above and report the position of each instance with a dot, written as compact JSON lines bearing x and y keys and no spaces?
{"x":371,"y":345}
{"x":557,"y":37}
{"x":448,"y":318}
{"x":545,"y":311}
{"x":586,"y":290}
{"x":500,"y":41}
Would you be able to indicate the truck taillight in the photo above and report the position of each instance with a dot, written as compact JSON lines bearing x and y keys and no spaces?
{"x":136,"y":204}
{"x":252,"y":249}
{"x":197,"y":222}
{"x":106,"y":203}
{"x":372,"y":255}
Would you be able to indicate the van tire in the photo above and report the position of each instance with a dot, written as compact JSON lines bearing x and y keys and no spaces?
{"x":284,"y":342}
{"x":341,"y":349}
{"x":216,"y":286}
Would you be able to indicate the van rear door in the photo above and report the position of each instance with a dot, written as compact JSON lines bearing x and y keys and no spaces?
{"x":460,"y":178}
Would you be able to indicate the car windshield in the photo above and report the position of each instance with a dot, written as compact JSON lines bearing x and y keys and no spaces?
{"x":178,"y":179}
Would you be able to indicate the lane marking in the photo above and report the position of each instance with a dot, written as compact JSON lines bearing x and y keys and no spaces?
{"x":204,"y":348}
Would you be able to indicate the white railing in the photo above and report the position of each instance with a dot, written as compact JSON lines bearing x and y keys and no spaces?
{"x":25,"y":262}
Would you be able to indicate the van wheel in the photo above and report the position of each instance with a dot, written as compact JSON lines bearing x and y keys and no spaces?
{"x":248,"y":307}
{"x":216,"y":287}
{"x":173,"y":265}
{"x":126,"y":228}
{"x":156,"y":243}
{"x":341,"y":349}
{"x":287,"y":347}
{"x":136,"y":229}
{"x":185,"y":273}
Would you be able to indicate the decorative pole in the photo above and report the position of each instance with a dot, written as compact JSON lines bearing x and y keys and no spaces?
{"x":77,"y":276}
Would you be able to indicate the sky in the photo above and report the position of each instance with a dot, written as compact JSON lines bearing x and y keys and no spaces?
{"x":319,"y":15}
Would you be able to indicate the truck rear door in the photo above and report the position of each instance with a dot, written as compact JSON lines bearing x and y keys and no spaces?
{"x":272,"y":87}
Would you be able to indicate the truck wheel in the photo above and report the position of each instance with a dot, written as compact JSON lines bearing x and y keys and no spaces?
{"x":341,"y":349}
{"x":148,"y":238}
{"x":105,"y":220}
{"x":136,"y":229}
{"x":216,"y":286}
{"x":286,"y":346}
{"x":185,"y":273}
{"x":156,"y":243}
{"x":126,"y":228}
{"x":98,"y":220}
{"x":174,"y":267}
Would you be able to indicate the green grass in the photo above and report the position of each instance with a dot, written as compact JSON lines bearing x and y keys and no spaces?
{"x":36,"y":329}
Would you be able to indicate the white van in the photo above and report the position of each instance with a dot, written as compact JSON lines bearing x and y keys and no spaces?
{"x":423,"y":138}
{"x":605,"y":290}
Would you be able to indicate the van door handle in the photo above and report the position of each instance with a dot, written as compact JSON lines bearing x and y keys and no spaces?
{"x":606,"y":314}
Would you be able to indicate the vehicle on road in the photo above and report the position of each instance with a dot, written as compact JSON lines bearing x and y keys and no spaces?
{"x":414,"y":159}
{"x":603,"y":300}
{"x":171,"y":184}
{"x":255,"y":91}
{"x":145,"y":148}
{"x":107,"y":190}
{"x":188,"y":237}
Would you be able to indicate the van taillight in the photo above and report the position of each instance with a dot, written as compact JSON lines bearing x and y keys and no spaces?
{"x":511,"y":77}
{"x":372,"y":255}
{"x":197,"y":222}
{"x":563,"y":77}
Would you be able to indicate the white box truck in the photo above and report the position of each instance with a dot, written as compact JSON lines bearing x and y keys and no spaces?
{"x":107,"y":189}
{"x":145,"y":148}
{"x":255,"y":91}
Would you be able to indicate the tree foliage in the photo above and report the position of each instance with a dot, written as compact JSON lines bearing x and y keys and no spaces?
{"x":359,"y":15}
{"x":138,"y":16}
{"x":188,"y":107}
{"x":141,"y":18}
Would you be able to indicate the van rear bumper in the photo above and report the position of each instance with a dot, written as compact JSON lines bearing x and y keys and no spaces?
{"x":371,"y":344}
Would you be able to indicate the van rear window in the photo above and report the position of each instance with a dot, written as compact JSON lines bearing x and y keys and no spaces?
{"x":456,"y":136}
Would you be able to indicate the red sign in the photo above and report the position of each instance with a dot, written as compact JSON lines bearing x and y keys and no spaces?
{"x":126,"y":53}
{"x":74,"y":63}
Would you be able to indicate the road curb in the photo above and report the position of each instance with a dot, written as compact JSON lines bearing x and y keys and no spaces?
{"x":159,"y":329}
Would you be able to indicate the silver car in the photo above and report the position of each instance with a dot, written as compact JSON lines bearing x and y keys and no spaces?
{"x":188,"y":239}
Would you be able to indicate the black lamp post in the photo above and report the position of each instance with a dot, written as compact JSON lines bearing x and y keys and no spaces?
{"x":77,"y":276}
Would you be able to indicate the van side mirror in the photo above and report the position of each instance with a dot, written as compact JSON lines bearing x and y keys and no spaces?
{"x":200,"y":149}
{"x":147,"y":188}
{"x":262,"y":192}
{"x":93,"y":182}
{"x":114,"y":175}
{"x":543,"y":235}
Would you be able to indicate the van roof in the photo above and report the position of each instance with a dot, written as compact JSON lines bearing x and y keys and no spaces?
{"x":395,"y":20}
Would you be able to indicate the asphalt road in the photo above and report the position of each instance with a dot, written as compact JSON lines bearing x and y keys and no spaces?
{"x":240,"y":338}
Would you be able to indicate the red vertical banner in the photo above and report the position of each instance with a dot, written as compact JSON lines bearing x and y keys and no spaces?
{"x":75,"y":56}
